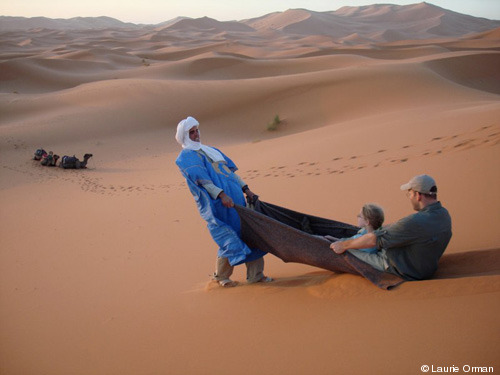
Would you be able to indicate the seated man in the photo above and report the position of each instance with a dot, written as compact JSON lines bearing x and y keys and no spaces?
{"x":412,"y":246}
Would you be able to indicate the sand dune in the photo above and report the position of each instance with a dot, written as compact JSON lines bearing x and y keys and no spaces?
{"x":460,"y":69}
{"x":207,"y":23}
{"x":106,"y":270}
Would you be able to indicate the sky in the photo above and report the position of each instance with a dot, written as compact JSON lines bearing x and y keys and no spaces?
{"x":156,"y":11}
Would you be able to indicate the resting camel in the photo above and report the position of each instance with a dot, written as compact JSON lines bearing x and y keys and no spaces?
{"x":72,"y":162}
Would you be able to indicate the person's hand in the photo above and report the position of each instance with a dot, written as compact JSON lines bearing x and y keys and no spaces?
{"x":249,"y":193}
{"x":251,"y":198}
{"x":226,"y":200}
{"x":338,"y":247}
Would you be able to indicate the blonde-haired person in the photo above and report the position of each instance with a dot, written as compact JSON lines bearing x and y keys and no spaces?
{"x":370,"y":218}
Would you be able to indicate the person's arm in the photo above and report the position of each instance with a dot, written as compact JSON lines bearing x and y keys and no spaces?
{"x":217,"y":193}
{"x":366,"y":241}
{"x":212,"y":190}
{"x":244,"y":187}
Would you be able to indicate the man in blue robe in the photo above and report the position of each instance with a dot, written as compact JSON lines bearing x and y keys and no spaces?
{"x":216,"y":188}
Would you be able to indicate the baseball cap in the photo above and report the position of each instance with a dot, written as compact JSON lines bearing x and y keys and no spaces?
{"x":423,"y":183}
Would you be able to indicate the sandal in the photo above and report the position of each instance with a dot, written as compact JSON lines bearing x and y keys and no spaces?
{"x":228,"y":283}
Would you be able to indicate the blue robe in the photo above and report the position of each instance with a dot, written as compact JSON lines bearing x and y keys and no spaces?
{"x":223,"y":223}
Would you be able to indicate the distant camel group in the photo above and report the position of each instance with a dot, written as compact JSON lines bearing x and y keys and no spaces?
{"x":67,"y":162}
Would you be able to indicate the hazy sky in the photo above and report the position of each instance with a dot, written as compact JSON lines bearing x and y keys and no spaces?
{"x":156,"y":11}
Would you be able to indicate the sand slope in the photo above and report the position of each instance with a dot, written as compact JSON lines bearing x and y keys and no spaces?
{"x":106,"y":270}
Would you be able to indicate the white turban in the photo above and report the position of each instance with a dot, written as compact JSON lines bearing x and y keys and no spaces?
{"x":182,"y":137}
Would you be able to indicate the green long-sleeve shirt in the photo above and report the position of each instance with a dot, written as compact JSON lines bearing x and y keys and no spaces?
{"x":415,"y":243}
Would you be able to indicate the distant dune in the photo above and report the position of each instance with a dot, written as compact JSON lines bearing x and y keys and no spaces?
{"x":372,"y":22}
{"x":78,"y":23}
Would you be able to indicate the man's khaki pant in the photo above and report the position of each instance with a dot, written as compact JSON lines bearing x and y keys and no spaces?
{"x":255,"y":270}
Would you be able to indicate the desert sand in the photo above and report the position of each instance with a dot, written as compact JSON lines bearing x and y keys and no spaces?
{"x":106,"y":270}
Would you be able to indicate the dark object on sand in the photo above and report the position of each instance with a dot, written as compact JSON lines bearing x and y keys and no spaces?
{"x":72,"y":162}
{"x":39,"y":154}
{"x":50,"y":160}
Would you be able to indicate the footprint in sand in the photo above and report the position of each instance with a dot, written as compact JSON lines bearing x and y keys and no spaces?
{"x":466,"y":143}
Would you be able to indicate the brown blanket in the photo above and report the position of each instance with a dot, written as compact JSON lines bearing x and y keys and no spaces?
{"x":293,"y":237}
